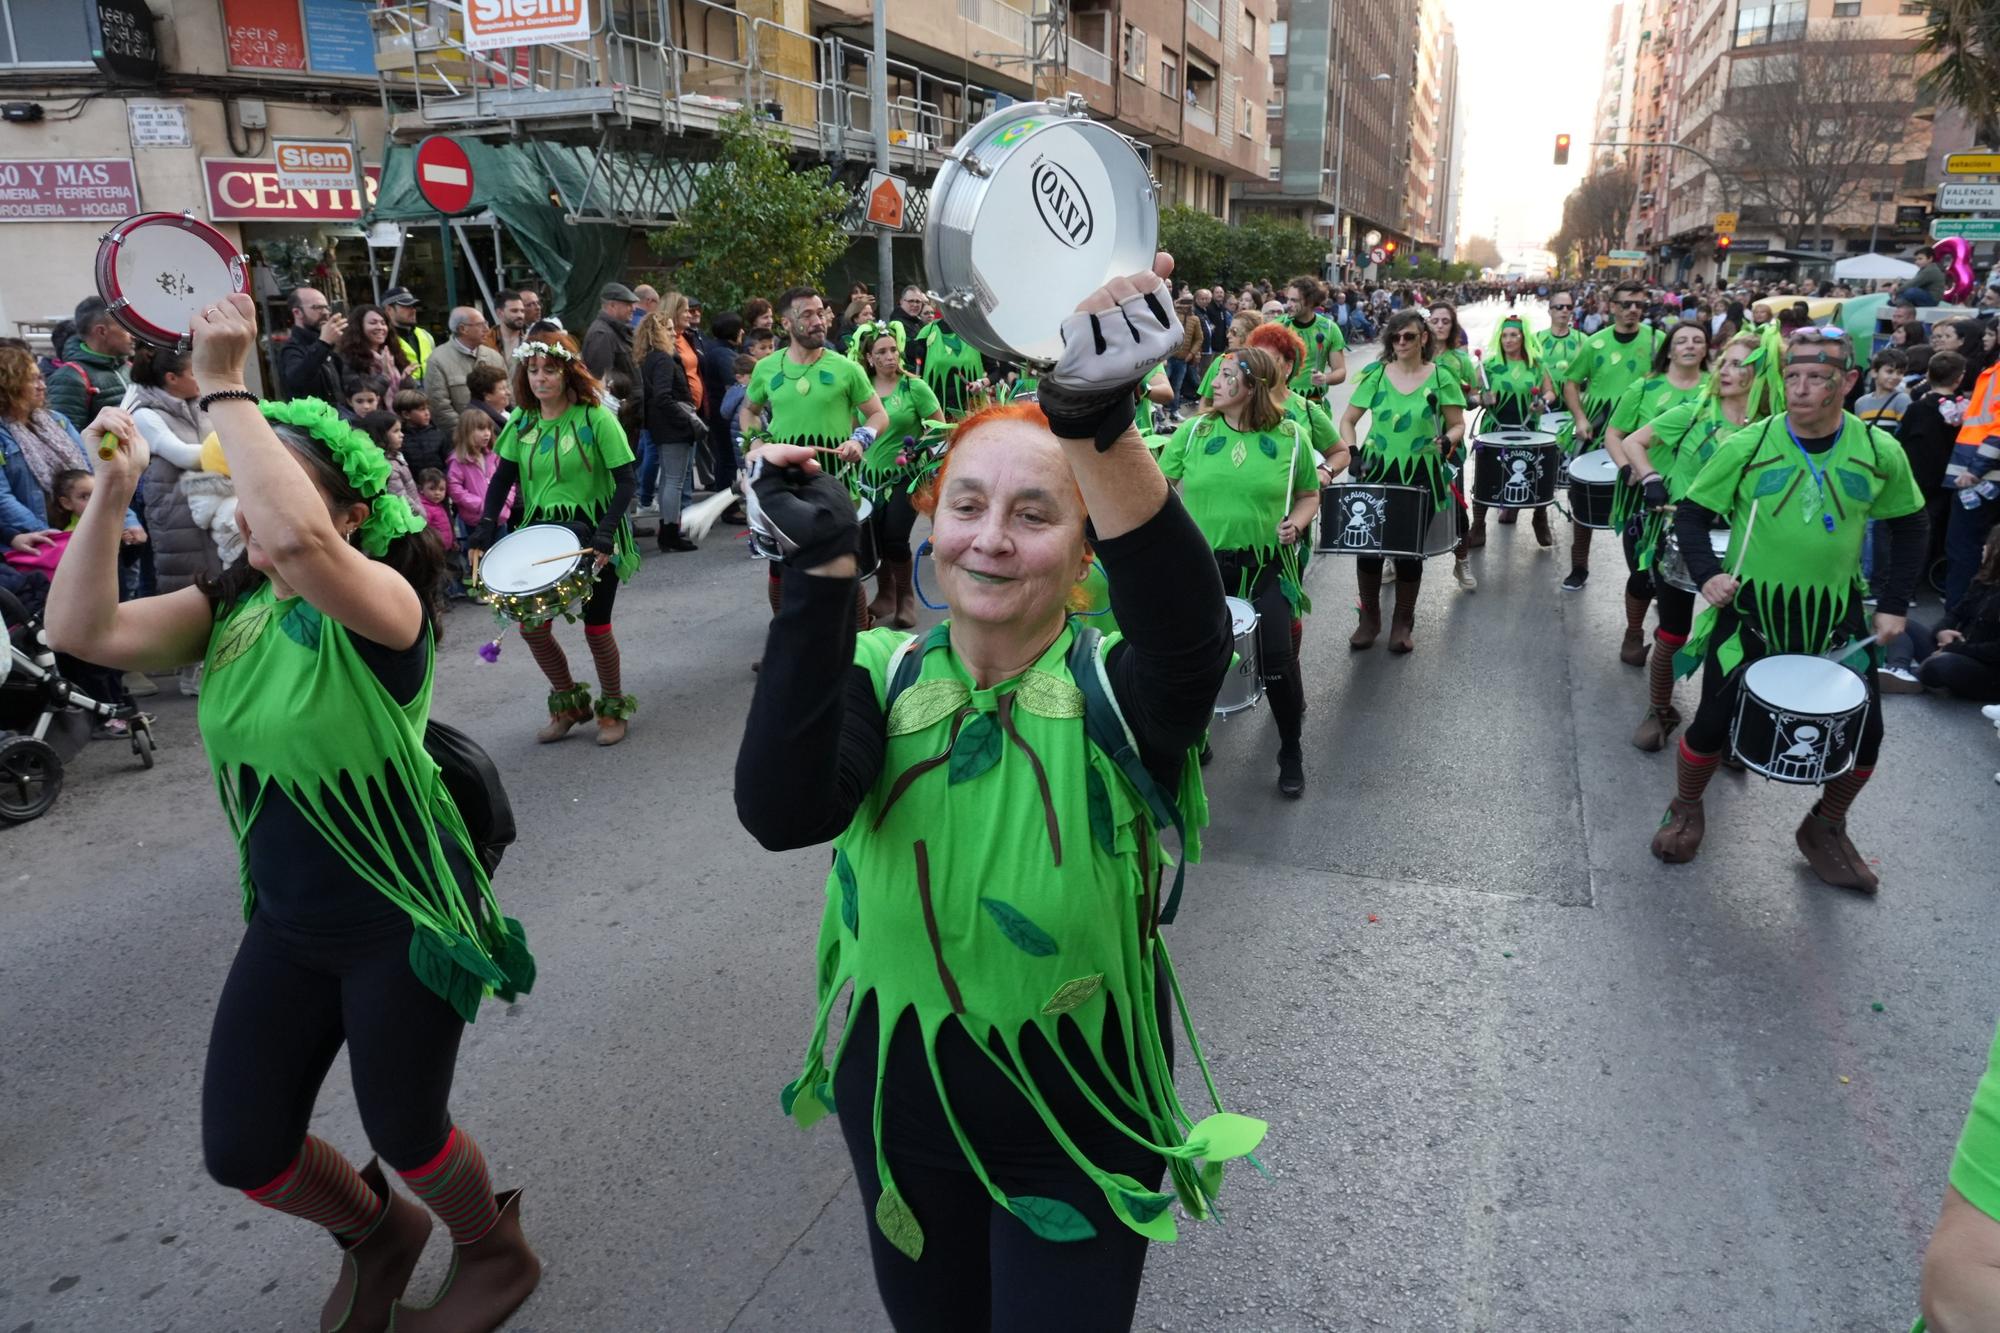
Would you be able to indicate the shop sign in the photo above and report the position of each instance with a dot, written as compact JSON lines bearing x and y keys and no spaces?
{"x":159,"y":124}
{"x":313,"y":164}
{"x":243,"y":189}
{"x":68,"y":189}
{"x":496,"y":23}
{"x":121,"y":39}
{"x":264,"y":34}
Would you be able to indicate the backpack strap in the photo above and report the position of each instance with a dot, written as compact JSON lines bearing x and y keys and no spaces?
{"x":1105,"y":726}
{"x":905,"y":665}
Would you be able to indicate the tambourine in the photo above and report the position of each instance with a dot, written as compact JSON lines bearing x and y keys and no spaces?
{"x":155,"y":270}
{"x":1034,"y":209}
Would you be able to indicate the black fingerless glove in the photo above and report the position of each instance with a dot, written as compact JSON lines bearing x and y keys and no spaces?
{"x":800,"y":518}
{"x":1655,"y":492}
{"x":1100,"y":416}
{"x":484,"y":535}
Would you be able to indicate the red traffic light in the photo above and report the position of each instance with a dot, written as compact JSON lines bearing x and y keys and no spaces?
{"x":1562,"y":150}
{"x":1389,"y":247}
{"x":1722,"y":245}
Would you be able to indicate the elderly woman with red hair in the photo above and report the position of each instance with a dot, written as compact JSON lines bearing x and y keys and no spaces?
{"x":995,"y":792}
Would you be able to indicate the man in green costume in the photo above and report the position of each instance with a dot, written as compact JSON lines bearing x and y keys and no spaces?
{"x":1325,"y":361}
{"x":1611,"y":361}
{"x":1561,"y":342}
{"x":1800,"y":490}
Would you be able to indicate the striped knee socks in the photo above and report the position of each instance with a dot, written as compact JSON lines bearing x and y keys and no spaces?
{"x":457,"y":1188}
{"x":1660,"y":669}
{"x":1692,"y":772}
{"x":604,"y":654}
{"x":322,"y":1187}
{"x":1839,"y":794}
{"x":549,"y":656}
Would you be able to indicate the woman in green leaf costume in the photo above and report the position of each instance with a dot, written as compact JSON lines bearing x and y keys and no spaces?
{"x":1676,"y":445}
{"x":1517,"y":385}
{"x":1610,"y":361}
{"x":1246,"y":473}
{"x":371,"y":923}
{"x":574,"y":467}
{"x":1679,"y":375}
{"x":952,"y":368}
{"x":1416,"y":423}
{"x":995,"y":793}
{"x":888,"y":470}
{"x":1812,"y":478}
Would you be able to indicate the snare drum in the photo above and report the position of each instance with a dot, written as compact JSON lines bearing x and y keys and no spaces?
{"x":1799,"y":719}
{"x":1515,"y":469}
{"x":527,"y":578}
{"x":156,"y":270}
{"x":1593,"y":485}
{"x":1243,"y":687}
{"x":1400,"y":522}
{"x":1561,"y":425}
{"x":1034,"y":209}
{"x":1673,"y":570}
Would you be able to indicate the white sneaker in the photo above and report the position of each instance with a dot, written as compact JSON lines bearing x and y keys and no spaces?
{"x":1462,"y":571}
{"x":1991,"y":712}
{"x":651,"y":510}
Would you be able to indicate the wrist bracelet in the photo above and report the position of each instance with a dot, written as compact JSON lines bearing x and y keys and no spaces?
{"x":221,"y":394}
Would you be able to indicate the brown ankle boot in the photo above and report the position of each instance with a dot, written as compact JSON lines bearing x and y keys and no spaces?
{"x":1655,"y":728}
{"x":1832,"y":855}
{"x":904,"y":614}
{"x":567,"y":708}
{"x":1476,"y":536}
{"x":1542,"y":536}
{"x":1509,"y":517}
{"x":375,"y":1269}
{"x":1404,"y":619}
{"x":884,"y":604}
{"x":489,"y":1279}
{"x":1369,"y":628}
{"x":1679,"y":835}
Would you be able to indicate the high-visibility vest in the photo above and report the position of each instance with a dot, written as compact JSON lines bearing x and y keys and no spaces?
{"x":418,"y":356}
{"x":1982,"y":411}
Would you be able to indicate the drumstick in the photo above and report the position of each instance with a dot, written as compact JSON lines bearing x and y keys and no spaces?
{"x":473,"y":573}
{"x":566,"y":555}
{"x":1743,"y":550}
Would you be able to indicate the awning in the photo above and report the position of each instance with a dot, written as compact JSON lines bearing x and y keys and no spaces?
{"x":1874,"y":268}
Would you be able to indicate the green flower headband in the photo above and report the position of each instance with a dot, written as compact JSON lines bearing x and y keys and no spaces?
{"x":363,"y":462}
{"x":864,"y":334}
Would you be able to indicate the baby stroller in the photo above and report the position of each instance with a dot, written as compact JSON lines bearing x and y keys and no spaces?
{"x":45,"y":720}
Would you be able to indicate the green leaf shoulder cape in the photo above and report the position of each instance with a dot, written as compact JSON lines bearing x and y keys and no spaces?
{"x":1798,"y":579}
{"x":1402,"y":427}
{"x":566,"y":467}
{"x":288,"y":703}
{"x":1004,"y":874}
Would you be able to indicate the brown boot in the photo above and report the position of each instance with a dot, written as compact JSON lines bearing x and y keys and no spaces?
{"x":612,"y":710}
{"x":1404,"y":619}
{"x":884,"y":604}
{"x":567,"y":708}
{"x":489,"y":1279}
{"x":1476,"y":536}
{"x":375,"y":1269}
{"x":1655,"y":728}
{"x":1542,"y":537}
{"x":1509,"y":517}
{"x":1369,"y":590}
{"x":1832,"y":855}
{"x":904,"y":613}
{"x":1679,"y":835}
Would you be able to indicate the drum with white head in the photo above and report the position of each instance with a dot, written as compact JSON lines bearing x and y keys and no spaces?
{"x":537,"y":573}
{"x":1593,"y":487}
{"x":156,"y":270}
{"x":1243,"y":687}
{"x":1799,"y":719}
{"x":1034,"y":209}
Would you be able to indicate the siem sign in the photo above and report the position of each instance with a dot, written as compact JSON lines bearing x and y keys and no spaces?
{"x":497,"y":23}
{"x":246,"y":189}
{"x":313,"y":164}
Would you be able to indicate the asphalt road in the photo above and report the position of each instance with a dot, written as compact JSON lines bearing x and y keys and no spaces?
{"x":1519,"y":1075}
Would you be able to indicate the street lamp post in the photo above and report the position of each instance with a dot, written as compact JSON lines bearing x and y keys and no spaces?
{"x":1340,"y":161}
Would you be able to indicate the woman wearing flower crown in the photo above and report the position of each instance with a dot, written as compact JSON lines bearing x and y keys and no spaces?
{"x":575,"y":468}
{"x":890,"y":466}
{"x":371,"y":920}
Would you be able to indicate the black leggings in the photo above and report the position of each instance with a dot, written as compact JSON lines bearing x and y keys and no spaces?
{"x":291,"y":1000}
{"x":1709,"y":732}
{"x":1638,"y":582}
{"x":597,"y":607}
{"x":1676,"y":611}
{"x":1278,"y":665}
{"x":892,"y":520}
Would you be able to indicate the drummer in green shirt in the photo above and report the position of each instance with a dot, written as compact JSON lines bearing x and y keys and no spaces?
{"x":1610,"y":362}
{"x":1325,"y":363}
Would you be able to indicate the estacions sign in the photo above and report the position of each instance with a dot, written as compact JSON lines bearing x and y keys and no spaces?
{"x":244,"y":189}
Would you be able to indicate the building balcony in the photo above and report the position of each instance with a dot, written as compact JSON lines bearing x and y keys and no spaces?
{"x":1090,"y":63}
{"x":1204,"y":15}
{"x":1200,"y":117}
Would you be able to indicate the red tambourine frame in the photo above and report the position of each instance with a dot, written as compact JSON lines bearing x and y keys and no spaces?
{"x":132,"y":308}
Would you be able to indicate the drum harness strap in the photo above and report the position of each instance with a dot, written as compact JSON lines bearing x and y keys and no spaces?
{"x":1103,"y":723}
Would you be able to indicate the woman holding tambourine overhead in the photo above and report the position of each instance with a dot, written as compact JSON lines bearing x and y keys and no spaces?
{"x":371,"y":922}
{"x":1247,"y":475}
{"x":575,"y":468}
{"x":995,"y":792}
{"x":1416,"y":423}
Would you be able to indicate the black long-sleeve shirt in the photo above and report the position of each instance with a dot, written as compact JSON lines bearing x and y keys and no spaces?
{"x":811,"y":754}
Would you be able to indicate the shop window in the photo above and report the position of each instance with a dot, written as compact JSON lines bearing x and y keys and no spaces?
{"x":43,"y":32}
{"x":316,"y":36}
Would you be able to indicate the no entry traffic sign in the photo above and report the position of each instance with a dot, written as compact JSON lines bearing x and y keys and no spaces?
{"x":444,"y":174}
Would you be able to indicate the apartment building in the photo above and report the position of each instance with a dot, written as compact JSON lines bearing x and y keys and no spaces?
{"x":1430,"y":124}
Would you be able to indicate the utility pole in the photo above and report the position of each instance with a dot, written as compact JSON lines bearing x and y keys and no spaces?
{"x":878,"y":93}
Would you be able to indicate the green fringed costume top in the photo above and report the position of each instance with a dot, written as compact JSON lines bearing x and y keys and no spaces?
{"x":817,"y":402}
{"x":1322,"y":336}
{"x":566,"y":467}
{"x":1557,"y":352}
{"x":1801,"y":573}
{"x":1401,"y":429}
{"x":1604,"y":367}
{"x":1005,"y":874}
{"x":951,"y":364}
{"x":1685,"y":437}
{"x":288,"y":703}
{"x":1457,"y":363}
{"x":1640,"y":405}
{"x":1238,"y":485}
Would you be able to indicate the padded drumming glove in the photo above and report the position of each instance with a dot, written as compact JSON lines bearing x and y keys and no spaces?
{"x":1655,"y":491}
{"x":799,"y":518}
{"x":483,"y":536}
{"x":1088,"y":395}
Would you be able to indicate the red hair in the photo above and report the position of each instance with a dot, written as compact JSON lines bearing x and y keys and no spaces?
{"x":1280,"y":342}
{"x":582,"y":385}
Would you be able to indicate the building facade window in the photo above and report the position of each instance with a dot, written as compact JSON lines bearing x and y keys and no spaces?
{"x":1759,"y":25}
{"x":1243,"y":123}
{"x":1133,"y":58}
{"x":43,"y":32}
{"x":1247,"y":32}
{"x":1847,"y":9}
{"x":1281,"y":37}
{"x":1170,"y":73}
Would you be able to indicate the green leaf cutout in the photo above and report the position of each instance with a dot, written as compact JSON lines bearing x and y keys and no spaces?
{"x":514,"y":960}
{"x":435,"y":961}
{"x":1773,"y":480}
{"x":826,"y":377}
{"x":807,"y":1099}
{"x":1103,"y":824}
{"x":547,"y":444}
{"x":301,"y":625}
{"x":1268,"y":445}
{"x":1856,"y":485}
{"x":1401,"y":423}
{"x":777,"y":381}
{"x":976,"y":749}
{"x":1229,"y":1135}
{"x":1051,"y":1219}
{"x":1074,"y":994}
{"x":1215,"y":442}
{"x":1144,"y":1210}
{"x":925,"y":704}
{"x":240,"y":635}
{"x":1022,"y":933}
{"x":899,"y":1224}
{"x":1238,"y":453}
{"x":850,"y":895}
{"x":1048,"y":696}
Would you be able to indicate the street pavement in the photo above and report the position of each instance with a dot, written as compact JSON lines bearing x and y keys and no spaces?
{"x":1519,"y":1075}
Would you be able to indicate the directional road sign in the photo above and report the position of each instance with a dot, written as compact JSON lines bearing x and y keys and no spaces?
{"x":1968,"y":197}
{"x":1972,"y":164}
{"x":1972,"y":229}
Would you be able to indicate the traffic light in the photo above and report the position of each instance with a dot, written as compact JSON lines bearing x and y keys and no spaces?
{"x":1722,"y":247}
{"x":1389,"y":248}
{"x":1562,"y":150}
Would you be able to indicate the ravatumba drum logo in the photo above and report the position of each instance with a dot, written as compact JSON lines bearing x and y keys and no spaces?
{"x":1361,"y":529}
{"x":1059,"y":199}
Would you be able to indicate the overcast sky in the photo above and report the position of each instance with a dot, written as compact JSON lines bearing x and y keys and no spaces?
{"x":1527,"y":72}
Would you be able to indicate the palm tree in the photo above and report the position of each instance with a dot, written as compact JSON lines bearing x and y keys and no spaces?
{"x":1962,"y":37}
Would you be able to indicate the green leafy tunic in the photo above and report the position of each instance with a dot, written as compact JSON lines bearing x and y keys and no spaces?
{"x":1639,"y":404}
{"x":817,"y":403}
{"x":913,"y":411}
{"x":1514,"y":385}
{"x":1239,"y":485}
{"x":1322,"y":336}
{"x":1558,"y":353}
{"x":1685,"y":437}
{"x":1605,"y":367}
{"x":566,"y":467}
{"x":1004,"y":874}
{"x":1799,"y":579}
{"x":950,"y":365}
{"x":287,"y":703}
{"x":1457,"y":363}
{"x":1402,"y":428}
